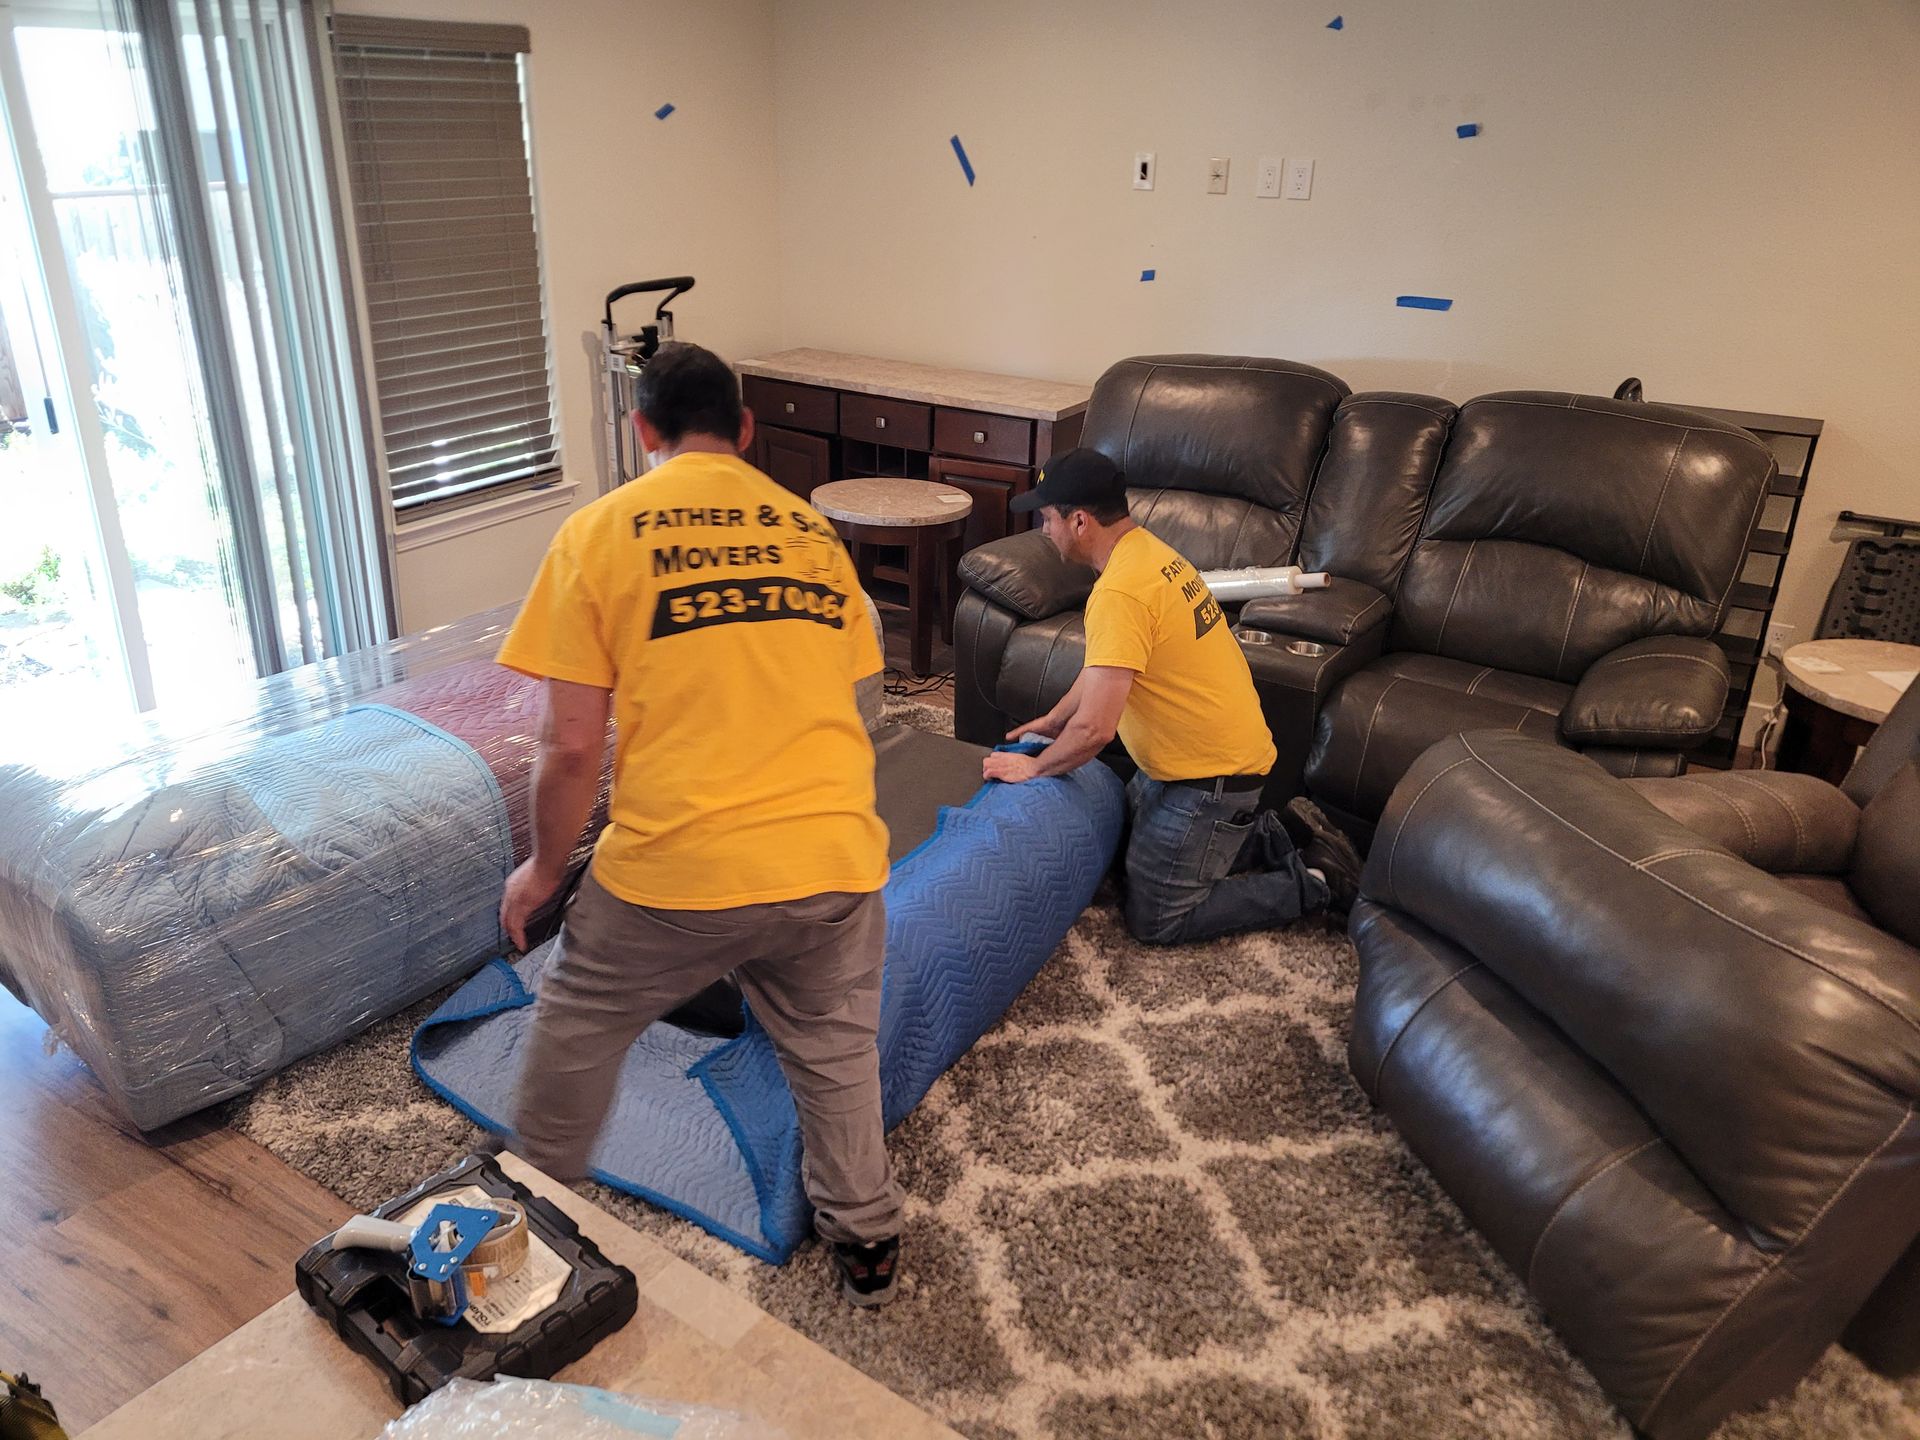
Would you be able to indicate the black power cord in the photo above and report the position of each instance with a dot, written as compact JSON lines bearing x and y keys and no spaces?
{"x":902,"y":686}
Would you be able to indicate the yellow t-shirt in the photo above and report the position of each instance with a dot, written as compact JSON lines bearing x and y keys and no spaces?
{"x":725,"y":616}
{"x":1193,"y":711}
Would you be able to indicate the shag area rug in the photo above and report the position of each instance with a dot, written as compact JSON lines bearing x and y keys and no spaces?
{"x":1150,"y":1202}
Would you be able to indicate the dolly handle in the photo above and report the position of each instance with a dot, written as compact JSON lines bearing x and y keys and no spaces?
{"x":677,"y":284}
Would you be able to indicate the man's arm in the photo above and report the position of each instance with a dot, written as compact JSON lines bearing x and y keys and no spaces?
{"x":566,"y":781}
{"x":1050,"y":723}
{"x":1095,"y":720}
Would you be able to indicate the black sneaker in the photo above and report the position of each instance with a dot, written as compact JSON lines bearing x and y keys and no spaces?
{"x":1329,"y":851}
{"x":867,"y":1272}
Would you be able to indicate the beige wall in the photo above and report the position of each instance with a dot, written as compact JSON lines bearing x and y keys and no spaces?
{"x":1722,"y":198}
{"x":622,"y":196}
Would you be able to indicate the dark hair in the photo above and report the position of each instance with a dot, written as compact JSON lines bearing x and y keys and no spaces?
{"x":685,"y":390}
{"x":1106,"y":512}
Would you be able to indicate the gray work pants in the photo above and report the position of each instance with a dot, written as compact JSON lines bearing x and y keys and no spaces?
{"x":810,"y":970}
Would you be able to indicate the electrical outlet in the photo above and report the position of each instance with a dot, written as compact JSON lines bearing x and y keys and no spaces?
{"x":1779,"y":637}
{"x":1143,"y":170}
{"x":1217,"y":176}
{"x":1299,"y":179}
{"x":1267,"y":183}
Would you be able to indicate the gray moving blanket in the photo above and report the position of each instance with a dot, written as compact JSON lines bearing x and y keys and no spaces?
{"x":189,"y":936}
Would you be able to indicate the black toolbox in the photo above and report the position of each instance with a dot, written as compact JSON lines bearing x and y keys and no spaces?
{"x":363,"y":1295}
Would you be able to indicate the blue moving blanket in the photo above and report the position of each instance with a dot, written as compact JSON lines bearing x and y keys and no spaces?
{"x":706,"y":1127}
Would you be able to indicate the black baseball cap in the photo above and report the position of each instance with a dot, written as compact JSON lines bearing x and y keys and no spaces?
{"x":1079,"y":477}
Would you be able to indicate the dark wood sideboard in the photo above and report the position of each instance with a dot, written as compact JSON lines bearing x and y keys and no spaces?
{"x":821,"y":415}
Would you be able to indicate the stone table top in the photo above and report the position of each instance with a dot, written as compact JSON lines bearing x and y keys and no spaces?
{"x":286,"y":1374}
{"x":1840,"y":674}
{"x":929,"y":384}
{"x":889,"y":500}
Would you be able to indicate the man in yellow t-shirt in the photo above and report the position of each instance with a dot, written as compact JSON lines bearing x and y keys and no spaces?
{"x":1164,"y":672}
{"x":718,"y":619}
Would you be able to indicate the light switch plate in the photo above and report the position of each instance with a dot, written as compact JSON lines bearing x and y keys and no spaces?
{"x":1143,"y":170}
{"x":1299,"y":179}
{"x":1217,"y":175}
{"x":1267,"y":183}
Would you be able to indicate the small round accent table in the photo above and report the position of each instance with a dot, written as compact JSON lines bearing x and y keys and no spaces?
{"x":926,"y":517}
{"x":1835,"y":700}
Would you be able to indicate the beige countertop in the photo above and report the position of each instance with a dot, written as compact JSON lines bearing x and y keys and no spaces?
{"x":286,"y":1374}
{"x":929,"y":384}
{"x":1855,"y":677}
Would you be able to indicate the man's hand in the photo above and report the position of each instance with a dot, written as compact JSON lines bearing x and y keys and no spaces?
{"x":1006,"y":765}
{"x":528,"y":888}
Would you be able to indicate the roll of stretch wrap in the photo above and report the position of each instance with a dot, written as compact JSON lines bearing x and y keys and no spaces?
{"x":1231,"y":587}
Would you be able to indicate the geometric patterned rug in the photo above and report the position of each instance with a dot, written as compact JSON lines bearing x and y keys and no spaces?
{"x":1150,"y":1202}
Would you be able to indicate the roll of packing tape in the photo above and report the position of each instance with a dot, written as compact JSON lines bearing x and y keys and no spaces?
{"x":505,"y":1249}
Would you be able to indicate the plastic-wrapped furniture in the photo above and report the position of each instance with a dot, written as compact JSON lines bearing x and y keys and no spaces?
{"x":1538,"y":561}
{"x":193,"y":904}
{"x":199,"y":901}
{"x":1661,"y":1041}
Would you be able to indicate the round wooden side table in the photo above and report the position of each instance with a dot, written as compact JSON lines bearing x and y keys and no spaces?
{"x":925,"y":517}
{"x":1835,"y":700}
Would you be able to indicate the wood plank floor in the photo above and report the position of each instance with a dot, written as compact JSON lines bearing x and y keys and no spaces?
{"x":122,"y":1255}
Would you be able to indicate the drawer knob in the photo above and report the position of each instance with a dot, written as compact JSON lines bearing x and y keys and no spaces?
{"x":979,"y":437}
{"x":879,"y":422}
{"x":789,"y":407}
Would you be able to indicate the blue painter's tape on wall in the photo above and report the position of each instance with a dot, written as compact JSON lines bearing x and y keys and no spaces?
{"x":1148,"y":274}
{"x":1422,"y":302}
{"x":1467,"y":131}
{"x":965,"y":164}
{"x":1338,"y":22}
{"x":663,"y":112}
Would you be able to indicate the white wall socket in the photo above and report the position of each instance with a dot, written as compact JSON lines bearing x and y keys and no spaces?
{"x":1779,"y":637}
{"x":1299,"y":179}
{"x":1143,"y":170}
{"x":1217,"y":176}
{"x":1267,"y":182}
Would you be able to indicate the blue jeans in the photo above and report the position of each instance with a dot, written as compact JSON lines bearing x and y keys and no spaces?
{"x":1200,"y":863}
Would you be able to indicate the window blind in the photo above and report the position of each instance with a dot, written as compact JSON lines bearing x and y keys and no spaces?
{"x":434,"y":121}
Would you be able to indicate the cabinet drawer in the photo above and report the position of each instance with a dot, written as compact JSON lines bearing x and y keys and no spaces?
{"x":886,"y":422}
{"x":798,"y":407}
{"x":978,"y":435}
{"x":992,"y":487}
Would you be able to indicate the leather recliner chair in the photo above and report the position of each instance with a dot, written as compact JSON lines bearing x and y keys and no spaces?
{"x":1661,"y":1042}
{"x":1486,"y":560}
{"x":1220,"y":452}
{"x":1575,"y":557}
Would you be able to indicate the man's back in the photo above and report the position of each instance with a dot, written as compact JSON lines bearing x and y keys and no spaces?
{"x":728,"y":622}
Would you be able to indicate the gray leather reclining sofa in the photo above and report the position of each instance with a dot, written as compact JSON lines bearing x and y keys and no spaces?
{"x":1661,"y":1041}
{"x":1541,"y":562}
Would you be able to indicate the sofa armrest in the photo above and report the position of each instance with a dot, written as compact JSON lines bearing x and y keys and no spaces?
{"x":1781,"y":822}
{"x":1708,"y":990}
{"x":1334,"y":616}
{"x":1666,"y":691}
{"x":1025,"y":574}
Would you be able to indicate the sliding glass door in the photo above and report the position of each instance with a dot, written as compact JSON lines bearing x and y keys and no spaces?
{"x":60,"y":641}
{"x":187,"y":494}
{"x":119,"y":372}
